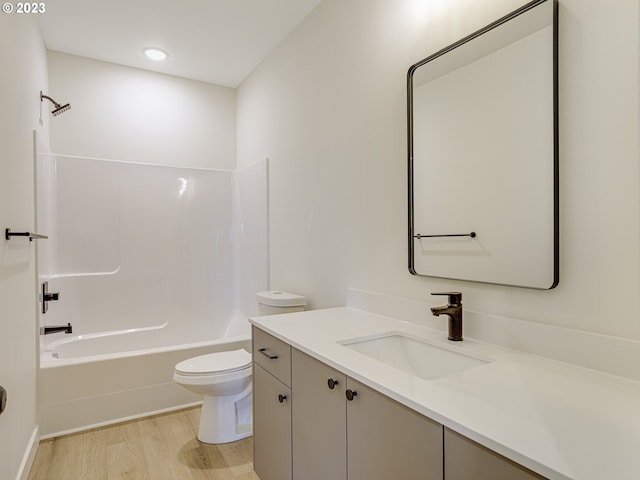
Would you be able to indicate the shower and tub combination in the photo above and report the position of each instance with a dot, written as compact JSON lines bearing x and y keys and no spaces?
{"x":152,"y":265}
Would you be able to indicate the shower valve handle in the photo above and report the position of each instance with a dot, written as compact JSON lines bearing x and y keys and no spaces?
{"x":47,"y":297}
{"x":51,"y":297}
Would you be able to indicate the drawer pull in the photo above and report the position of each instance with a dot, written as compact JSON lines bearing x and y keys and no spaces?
{"x":332,"y":383}
{"x":351,"y":394}
{"x":267,"y":354}
{"x":282,"y":398}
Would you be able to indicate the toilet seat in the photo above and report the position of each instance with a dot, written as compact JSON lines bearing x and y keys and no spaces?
{"x":215,"y":363}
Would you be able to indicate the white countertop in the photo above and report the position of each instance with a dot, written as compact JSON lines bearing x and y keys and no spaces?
{"x":561,"y":421}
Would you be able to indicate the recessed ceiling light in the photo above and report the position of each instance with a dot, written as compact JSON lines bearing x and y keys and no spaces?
{"x":155,"y":54}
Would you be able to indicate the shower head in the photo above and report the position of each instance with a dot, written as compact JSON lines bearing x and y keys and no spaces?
{"x":58,"y":108}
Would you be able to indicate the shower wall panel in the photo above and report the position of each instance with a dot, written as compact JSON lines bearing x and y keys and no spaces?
{"x":139,"y":246}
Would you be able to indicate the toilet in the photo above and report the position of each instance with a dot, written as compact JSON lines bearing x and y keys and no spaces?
{"x":224,"y":379}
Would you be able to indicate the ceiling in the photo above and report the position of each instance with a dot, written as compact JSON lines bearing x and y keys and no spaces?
{"x":215,"y":41}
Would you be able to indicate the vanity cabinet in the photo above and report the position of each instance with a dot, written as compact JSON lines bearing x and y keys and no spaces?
{"x":466,"y":460}
{"x":271,"y":407}
{"x":344,"y":429}
{"x":312,"y":422}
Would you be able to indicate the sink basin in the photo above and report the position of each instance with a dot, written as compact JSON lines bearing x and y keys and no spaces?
{"x":412,"y":355}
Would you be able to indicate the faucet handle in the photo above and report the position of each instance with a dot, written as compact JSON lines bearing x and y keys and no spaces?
{"x":455,"y":298}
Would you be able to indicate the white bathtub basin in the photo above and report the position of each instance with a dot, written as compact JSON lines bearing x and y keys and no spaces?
{"x":414,"y":356}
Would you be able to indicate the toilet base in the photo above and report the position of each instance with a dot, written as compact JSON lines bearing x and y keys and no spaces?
{"x":226,"y":419}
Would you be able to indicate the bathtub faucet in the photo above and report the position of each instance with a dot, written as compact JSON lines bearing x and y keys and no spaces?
{"x":55,"y":329}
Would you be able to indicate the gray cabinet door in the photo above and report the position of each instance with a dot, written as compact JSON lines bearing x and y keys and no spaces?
{"x":466,"y":460}
{"x":386,"y":440}
{"x":318,"y":417}
{"x":271,"y":426}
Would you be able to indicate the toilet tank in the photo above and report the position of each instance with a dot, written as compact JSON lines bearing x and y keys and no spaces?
{"x":272,"y":302}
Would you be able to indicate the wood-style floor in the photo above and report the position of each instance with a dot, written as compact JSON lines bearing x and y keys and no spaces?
{"x":162,"y":447}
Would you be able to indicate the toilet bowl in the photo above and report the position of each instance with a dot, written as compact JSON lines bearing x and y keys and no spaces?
{"x":224,"y":380}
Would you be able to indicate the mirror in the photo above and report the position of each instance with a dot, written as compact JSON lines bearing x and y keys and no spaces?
{"x":483,"y":154}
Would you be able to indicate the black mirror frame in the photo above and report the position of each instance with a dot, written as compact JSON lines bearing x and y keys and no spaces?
{"x":410,"y":153}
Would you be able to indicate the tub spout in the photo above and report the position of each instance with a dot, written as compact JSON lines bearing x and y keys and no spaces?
{"x":57,"y":328}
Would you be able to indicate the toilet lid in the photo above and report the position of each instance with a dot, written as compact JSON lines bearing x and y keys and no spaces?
{"x":219,"y":362}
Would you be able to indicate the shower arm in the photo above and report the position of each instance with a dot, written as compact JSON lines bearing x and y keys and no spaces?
{"x":55,"y":104}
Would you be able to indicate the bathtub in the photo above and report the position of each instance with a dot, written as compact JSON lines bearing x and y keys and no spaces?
{"x":86,"y":381}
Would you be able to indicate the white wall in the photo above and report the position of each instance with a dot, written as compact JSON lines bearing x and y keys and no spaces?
{"x":23,"y":63}
{"x":123,"y":113}
{"x":328,"y":108}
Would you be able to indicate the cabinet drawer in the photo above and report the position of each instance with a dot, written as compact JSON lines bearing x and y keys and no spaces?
{"x":273,"y":355}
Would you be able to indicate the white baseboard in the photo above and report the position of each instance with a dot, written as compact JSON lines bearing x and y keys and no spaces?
{"x":29,"y":455}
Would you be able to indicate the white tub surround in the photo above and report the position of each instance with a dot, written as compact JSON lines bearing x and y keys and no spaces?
{"x":138,"y":246}
{"x":154,"y":265}
{"x":559,"y":420}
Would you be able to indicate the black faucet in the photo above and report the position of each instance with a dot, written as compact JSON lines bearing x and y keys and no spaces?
{"x":58,"y":328}
{"x":454,"y":311}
